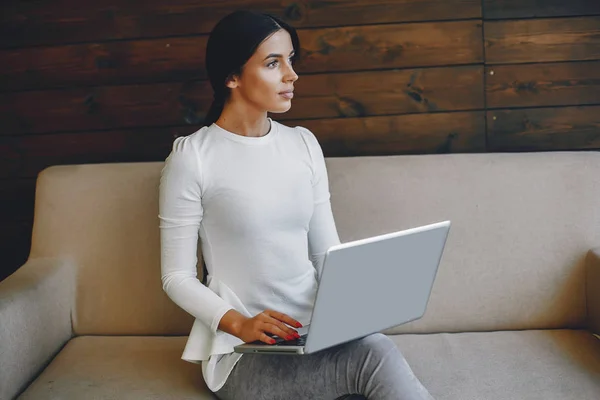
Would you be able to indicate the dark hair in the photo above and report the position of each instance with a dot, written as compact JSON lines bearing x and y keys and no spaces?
{"x":230,"y":45}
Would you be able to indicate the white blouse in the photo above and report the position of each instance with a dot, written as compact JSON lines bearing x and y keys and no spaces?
{"x":261,"y":208}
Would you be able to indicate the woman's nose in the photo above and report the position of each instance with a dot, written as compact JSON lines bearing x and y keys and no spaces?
{"x":291,"y":75}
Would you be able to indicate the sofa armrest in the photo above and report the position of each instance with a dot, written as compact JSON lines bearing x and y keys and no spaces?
{"x":593,"y":289}
{"x":35,"y":320}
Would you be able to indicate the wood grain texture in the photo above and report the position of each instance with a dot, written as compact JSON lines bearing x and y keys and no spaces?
{"x":391,"y":46}
{"x":177,"y":59}
{"x":542,"y":40}
{"x":544,"y":129}
{"x":45,"y":22}
{"x":388,"y":92}
{"x":182,"y":59}
{"x":26,"y":156}
{"x":497,"y":9}
{"x":531,"y":85}
{"x":104,"y":107}
{"x":317,"y":96}
{"x":403,"y":134}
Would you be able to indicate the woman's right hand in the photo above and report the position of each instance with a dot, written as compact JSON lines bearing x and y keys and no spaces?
{"x":259,"y":326}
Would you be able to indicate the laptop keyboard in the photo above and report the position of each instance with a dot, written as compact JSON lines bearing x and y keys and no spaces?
{"x":282,"y":342}
{"x":294,"y":342}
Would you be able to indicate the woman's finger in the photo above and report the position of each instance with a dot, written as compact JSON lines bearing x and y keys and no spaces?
{"x":277,"y":330}
{"x":284,"y":318}
{"x":289,"y":331}
{"x":266,"y":339}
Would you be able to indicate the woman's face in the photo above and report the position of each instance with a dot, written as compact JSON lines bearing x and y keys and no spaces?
{"x":267,"y":79}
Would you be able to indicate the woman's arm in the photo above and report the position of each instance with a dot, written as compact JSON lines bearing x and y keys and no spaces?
{"x":180,"y":214}
{"x":322,"y":233}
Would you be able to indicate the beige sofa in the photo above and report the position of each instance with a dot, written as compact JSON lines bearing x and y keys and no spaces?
{"x":511,"y":316}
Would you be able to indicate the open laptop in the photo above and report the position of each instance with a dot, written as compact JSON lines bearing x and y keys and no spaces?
{"x":366,"y":286}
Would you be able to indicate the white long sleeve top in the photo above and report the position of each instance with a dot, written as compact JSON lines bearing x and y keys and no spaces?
{"x":261,"y":209}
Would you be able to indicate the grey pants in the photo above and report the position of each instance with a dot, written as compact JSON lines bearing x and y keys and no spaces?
{"x":371,"y":368}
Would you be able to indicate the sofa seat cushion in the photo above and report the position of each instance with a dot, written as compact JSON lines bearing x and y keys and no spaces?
{"x":507,"y":365}
{"x":548,"y":364}
{"x":120,"y":367}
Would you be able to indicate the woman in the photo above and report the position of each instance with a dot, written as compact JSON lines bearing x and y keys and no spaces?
{"x":257,"y":193}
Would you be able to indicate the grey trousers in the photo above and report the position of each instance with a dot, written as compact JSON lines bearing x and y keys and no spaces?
{"x":371,"y":367}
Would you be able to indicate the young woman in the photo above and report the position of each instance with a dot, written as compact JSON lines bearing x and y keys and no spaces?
{"x":256,"y":193}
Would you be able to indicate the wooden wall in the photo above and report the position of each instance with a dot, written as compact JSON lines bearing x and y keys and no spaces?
{"x":109,"y":80}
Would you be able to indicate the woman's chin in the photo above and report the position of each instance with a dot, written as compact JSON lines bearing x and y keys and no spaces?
{"x":281,"y":108}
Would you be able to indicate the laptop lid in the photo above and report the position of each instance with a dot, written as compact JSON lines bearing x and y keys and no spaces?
{"x":373,"y":284}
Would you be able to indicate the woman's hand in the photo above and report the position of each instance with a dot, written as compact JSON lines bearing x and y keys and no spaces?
{"x":257,"y":328}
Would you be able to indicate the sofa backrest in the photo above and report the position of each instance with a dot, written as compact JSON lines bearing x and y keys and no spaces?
{"x":521,"y":226}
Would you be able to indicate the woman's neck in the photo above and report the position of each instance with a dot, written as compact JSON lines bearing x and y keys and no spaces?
{"x":244,"y":122}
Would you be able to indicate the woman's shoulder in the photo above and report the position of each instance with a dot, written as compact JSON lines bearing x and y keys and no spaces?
{"x":190,"y":143}
{"x":293,"y":129}
{"x":305,"y":140}
{"x":301,"y":132}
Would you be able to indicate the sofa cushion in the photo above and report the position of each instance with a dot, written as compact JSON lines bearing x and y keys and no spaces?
{"x":545,"y":365}
{"x":120,"y":367}
{"x":506,"y":365}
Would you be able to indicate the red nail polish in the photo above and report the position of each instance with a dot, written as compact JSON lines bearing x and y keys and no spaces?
{"x":272,"y":341}
{"x":299,"y":325}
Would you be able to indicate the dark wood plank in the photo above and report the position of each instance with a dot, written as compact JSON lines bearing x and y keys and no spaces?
{"x":403,"y":134}
{"x":544,"y":129}
{"x":560,"y":39}
{"x":104,"y":107}
{"x":317,"y":96}
{"x":498,"y":9}
{"x":174,"y":59}
{"x":531,"y":85}
{"x":26,"y":156}
{"x":388,"y":92}
{"x":391,"y":46}
{"x":45,"y":22}
{"x":15,"y":243}
{"x":17,"y":199}
{"x":182,"y":59}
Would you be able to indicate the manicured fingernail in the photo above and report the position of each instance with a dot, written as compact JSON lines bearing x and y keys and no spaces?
{"x":290,"y":337}
{"x":299,"y":325}
{"x":272,"y":341}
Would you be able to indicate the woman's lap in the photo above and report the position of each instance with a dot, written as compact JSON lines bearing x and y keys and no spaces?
{"x":372,"y":365}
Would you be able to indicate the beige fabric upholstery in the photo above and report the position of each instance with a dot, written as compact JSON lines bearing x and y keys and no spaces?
{"x":522,"y":225}
{"x":593,"y":290}
{"x":532,"y":365}
{"x":35,"y":320}
{"x":124,"y":368}
{"x":544,"y":365}
{"x":106,"y":217}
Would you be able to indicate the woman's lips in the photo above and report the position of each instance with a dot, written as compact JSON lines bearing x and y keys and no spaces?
{"x":288,"y":94}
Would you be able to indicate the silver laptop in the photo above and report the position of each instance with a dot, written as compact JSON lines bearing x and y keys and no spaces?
{"x":367,"y":286}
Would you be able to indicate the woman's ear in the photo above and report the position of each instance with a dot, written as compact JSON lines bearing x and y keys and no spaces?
{"x":232,"y":81}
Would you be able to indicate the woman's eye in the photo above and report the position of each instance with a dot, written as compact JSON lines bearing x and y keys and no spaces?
{"x":274,"y":63}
